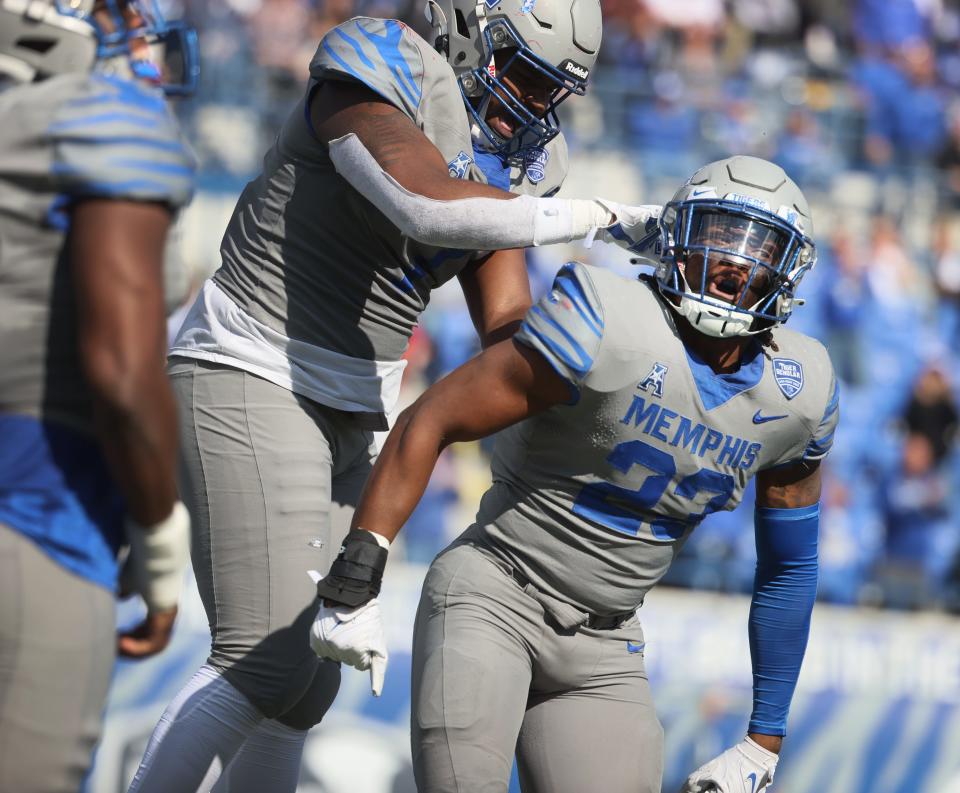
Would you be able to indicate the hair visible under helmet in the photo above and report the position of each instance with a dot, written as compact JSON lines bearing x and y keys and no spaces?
{"x":558,"y":39}
{"x":740,"y":221}
{"x":44,"y":38}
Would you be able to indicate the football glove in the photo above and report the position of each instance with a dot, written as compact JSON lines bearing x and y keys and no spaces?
{"x":635,"y":227}
{"x":353,"y":636}
{"x":744,"y":768}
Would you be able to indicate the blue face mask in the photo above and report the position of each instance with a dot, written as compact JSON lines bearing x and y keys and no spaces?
{"x":484,"y":85}
{"x":711,"y":235}
{"x":179,"y":72}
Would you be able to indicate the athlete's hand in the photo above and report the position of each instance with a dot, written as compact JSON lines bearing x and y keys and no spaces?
{"x":635,"y":227}
{"x":353,"y":637}
{"x":745,"y":768}
{"x":149,"y":637}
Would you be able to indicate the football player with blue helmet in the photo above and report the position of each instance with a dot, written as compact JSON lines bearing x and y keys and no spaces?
{"x":407,"y":163}
{"x":92,"y":171}
{"x":627,"y":411}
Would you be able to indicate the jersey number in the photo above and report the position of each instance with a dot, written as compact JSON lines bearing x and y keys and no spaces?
{"x":616,"y":507}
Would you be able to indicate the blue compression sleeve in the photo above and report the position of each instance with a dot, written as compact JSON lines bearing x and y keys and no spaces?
{"x":784,"y":590}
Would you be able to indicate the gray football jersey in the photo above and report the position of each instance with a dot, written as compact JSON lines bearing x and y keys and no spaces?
{"x":593,"y":500}
{"x":311,"y":258}
{"x":67,"y":138}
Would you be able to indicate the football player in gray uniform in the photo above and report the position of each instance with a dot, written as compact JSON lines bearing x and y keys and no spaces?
{"x":405,"y":164}
{"x":630,"y":410}
{"x":92,"y":170}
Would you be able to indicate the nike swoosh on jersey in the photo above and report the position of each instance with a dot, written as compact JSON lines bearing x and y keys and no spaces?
{"x":753,"y":783}
{"x":758,"y":419}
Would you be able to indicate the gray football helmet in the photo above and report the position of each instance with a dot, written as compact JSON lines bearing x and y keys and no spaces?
{"x":558,"y":39}
{"x":43,"y":38}
{"x":735,"y":242}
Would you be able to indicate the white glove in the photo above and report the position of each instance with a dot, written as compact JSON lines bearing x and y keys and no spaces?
{"x":158,"y":555}
{"x":745,"y":768}
{"x":353,"y":637}
{"x":635,"y":227}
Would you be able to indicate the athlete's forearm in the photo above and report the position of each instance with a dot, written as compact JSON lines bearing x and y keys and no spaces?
{"x":785,"y":589}
{"x":456,"y":216}
{"x":116,"y":254}
{"x":400,"y":475}
{"x":135,"y":415}
{"x":506,"y":383}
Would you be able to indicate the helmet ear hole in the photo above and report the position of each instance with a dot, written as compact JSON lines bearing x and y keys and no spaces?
{"x":462,"y":28}
{"x":36,"y":44}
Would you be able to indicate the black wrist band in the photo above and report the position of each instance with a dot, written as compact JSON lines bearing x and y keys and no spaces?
{"x":356,"y":573}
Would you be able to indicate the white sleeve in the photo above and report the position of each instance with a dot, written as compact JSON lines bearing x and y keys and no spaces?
{"x":467,"y":223}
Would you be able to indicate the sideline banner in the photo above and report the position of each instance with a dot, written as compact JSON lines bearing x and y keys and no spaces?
{"x":877,"y":708}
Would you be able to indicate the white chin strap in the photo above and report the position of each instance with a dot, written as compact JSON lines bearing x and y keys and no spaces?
{"x":477,"y":137}
{"x":715,"y":318}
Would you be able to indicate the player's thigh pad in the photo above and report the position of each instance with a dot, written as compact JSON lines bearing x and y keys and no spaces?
{"x":57,"y":644}
{"x":473,"y":638}
{"x":257,"y":464}
{"x":601,"y":733}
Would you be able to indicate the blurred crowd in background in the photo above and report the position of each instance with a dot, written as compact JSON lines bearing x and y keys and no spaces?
{"x":859,"y":101}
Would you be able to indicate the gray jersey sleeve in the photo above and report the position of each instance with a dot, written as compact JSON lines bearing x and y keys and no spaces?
{"x":380,"y":53}
{"x":117,"y":139}
{"x":566,"y":325}
{"x":822,"y":439}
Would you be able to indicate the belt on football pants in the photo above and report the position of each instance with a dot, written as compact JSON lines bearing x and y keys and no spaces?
{"x":566,"y":616}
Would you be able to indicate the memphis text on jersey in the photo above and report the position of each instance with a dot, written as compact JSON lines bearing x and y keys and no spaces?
{"x":678,"y":431}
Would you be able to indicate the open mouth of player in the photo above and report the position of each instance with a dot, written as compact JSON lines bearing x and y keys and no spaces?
{"x":727,"y":285}
{"x":503,"y":126}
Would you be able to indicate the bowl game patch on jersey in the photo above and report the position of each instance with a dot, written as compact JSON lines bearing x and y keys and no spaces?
{"x":789,"y":376}
{"x":535,"y":161}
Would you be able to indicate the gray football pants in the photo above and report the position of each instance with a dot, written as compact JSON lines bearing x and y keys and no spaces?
{"x":57,"y":645}
{"x":271,"y":480}
{"x":492,"y":674}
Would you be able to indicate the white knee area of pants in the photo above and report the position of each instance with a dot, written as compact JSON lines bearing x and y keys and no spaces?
{"x":269,"y":759}
{"x":277,"y":739}
{"x":197,"y":736}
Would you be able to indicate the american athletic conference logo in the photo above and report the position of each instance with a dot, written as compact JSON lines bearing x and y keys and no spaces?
{"x":789,"y":376}
{"x":535,"y":163}
{"x":459,"y":165}
{"x":654,"y":381}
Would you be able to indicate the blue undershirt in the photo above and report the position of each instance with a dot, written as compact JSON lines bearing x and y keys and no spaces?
{"x":56,"y":489}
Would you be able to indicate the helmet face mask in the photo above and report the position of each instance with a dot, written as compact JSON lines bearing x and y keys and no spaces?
{"x":516,"y":61}
{"x":495,"y":86}
{"x":77,"y":34}
{"x":163,"y":51}
{"x":730,"y":264}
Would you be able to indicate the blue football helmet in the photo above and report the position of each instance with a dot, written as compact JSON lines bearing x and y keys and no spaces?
{"x":43,"y":38}
{"x":735,"y":242}
{"x":486,"y":42}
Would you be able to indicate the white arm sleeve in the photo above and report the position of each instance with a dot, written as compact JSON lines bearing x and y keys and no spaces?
{"x":486,"y":224}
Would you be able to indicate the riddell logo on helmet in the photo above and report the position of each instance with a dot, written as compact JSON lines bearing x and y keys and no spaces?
{"x":574,"y":68}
